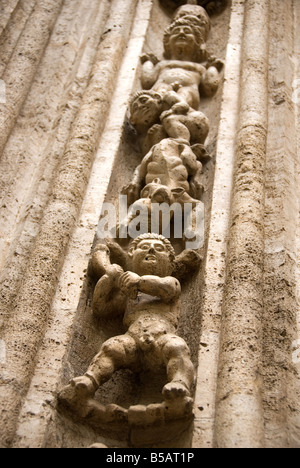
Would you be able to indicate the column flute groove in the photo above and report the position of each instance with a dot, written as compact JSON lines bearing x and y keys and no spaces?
{"x":21,"y":68}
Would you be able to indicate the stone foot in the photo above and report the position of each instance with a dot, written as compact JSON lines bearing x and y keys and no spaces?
{"x":84,"y":387}
{"x":175,"y":390}
{"x":201,"y":153}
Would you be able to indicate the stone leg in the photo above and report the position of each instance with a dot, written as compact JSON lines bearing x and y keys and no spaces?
{"x":193,"y":127}
{"x":180,"y":369}
{"x":196,"y":187}
{"x":175,"y":128}
{"x":116,"y":353}
{"x":198,"y":125}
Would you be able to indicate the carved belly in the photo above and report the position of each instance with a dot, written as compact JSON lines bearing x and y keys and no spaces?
{"x":184,"y":77}
{"x":176,"y":176}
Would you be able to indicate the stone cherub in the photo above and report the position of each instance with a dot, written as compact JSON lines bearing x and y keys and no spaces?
{"x":156,"y":118}
{"x":148,"y":297}
{"x":187,"y":67}
{"x":174,"y":163}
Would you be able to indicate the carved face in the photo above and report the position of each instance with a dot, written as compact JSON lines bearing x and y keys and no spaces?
{"x":197,"y":14}
{"x":151,"y":257}
{"x":145,"y":110}
{"x":157,"y":192}
{"x":182,"y":42}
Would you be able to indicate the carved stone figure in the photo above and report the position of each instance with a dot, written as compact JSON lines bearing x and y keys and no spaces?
{"x":157,"y":196}
{"x":149,"y":299}
{"x":156,"y":118}
{"x":187,"y":67}
{"x":182,"y":121}
{"x":171,"y":161}
{"x":143,"y":285}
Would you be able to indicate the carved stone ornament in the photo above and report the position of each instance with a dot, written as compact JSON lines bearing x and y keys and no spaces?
{"x":148,"y":298}
{"x":143,"y":284}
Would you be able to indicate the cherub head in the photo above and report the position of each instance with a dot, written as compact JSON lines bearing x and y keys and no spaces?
{"x":181,"y":266}
{"x":185,"y":38}
{"x":145,"y":109}
{"x":152,"y":254}
{"x":195,"y":13}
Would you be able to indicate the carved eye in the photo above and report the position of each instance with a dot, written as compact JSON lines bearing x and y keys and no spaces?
{"x":159,"y":248}
{"x":145,"y":246}
{"x":144,"y":100}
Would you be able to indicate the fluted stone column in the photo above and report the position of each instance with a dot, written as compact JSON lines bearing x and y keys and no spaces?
{"x":25,"y":58}
{"x":239,"y":413}
{"x":24,"y":330}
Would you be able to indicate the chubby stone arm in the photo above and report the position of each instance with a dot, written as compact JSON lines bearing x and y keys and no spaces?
{"x":168,"y":289}
{"x":189,"y":160}
{"x":211,"y":80}
{"x":134,"y":188}
{"x":149,"y":70}
{"x":108,"y":300}
{"x":99,"y":262}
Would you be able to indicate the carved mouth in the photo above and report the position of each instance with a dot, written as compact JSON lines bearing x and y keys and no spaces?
{"x":181,"y":39}
{"x":146,"y":111}
{"x":150,"y":258}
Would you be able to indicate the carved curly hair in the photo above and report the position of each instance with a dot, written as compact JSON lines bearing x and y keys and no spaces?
{"x":149,"y":93}
{"x":200,"y":29}
{"x":153,"y":236}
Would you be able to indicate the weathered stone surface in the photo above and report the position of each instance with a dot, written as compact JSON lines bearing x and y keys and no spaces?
{"x":71,"y":70}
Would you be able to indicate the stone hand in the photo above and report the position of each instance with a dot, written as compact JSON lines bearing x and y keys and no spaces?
{"x":129,"y":284}
{"x":114,"y":271}
{"x":217,"y":63}
{"x":132,"y":191}
{"x":180,"y":108}
{"x":149,"y":58}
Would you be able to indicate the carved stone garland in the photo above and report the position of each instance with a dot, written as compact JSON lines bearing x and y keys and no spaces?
{"x":146,"y":289}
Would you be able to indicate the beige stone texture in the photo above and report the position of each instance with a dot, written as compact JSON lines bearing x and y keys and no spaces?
{"x":67,"y":146}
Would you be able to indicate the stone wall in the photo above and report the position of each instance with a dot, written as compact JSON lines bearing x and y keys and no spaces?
{"x":69,"y":68}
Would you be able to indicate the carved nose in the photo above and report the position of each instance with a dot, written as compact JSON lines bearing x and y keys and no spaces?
{"x":148,"y":338}
{"x":151,"y":250}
